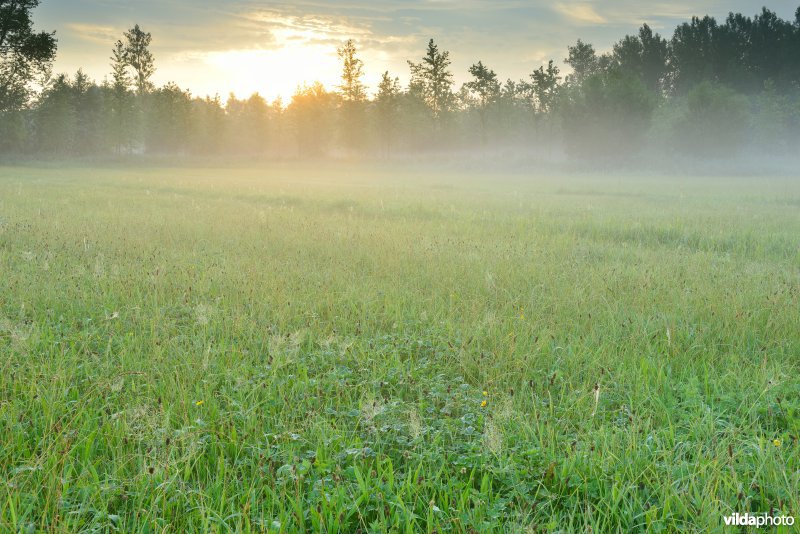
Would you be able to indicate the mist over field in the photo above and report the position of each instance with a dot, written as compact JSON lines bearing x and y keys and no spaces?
{"x":436,"y":300}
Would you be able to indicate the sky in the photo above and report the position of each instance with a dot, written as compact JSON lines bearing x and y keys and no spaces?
{"x":215,"y":47}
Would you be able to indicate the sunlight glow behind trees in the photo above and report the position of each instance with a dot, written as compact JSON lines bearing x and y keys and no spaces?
{"x":650,"y":96}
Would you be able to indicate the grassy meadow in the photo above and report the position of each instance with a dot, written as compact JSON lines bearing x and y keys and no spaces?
{"x":347,"y":349}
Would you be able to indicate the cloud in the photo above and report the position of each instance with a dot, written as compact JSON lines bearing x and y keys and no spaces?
{"x":318,"y":29}
{"x":580,"y":13}
{"x":95,"y":33}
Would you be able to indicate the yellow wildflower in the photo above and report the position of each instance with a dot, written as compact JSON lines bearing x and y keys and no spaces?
{"x":484,"y":403}
{"x":199,"y":403}
{"x":776,"y":442}
{"x":485,"y":393}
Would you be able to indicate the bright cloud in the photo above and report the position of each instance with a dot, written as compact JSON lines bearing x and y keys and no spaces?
{"x":581,"y":13}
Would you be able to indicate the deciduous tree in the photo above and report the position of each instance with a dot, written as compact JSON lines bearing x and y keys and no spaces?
{"x":583,"y":60}
{"x":485,"y":87}
{"x":25,"y":55}
{"x":544,"y":86}
{"x":645,"y":56}
{"x":139,"y":57}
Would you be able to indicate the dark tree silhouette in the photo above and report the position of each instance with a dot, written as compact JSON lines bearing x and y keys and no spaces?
{"x":584,"y":62}
{"x":25,"y":55}
{"x":644,"y":56}
{"x":694,"y":53}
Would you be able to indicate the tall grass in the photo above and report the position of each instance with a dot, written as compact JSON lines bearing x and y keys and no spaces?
{"x":293,"y":349}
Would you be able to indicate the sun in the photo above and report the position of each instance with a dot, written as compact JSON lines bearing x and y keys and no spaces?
{"x":292,"y":51}
{"x":300,"y":51}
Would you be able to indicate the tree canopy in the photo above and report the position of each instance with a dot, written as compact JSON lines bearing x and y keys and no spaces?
{"x":711,"y":88}
{"x":25,"y":55}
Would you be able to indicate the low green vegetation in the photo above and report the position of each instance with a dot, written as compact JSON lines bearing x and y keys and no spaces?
{"x":293,"y":349}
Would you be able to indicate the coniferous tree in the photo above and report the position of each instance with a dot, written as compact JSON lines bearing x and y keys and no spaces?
{"x":206,"y":126}
{"x":433,"y":81}
{"x":56,"y":118}
{"x":168,"y":121}
{"x":353,"y":94}
{"x":122,"y":114}
{"x":387,"y":107}
{"x":89,"y":102}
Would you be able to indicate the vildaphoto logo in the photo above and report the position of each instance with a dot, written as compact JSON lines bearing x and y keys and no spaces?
{"x":758,"y":520}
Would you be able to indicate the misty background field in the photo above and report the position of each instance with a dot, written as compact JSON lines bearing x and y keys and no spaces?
{"x":427,"y":349}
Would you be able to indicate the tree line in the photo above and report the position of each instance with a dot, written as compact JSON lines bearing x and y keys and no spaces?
{"x":711,"y":90}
